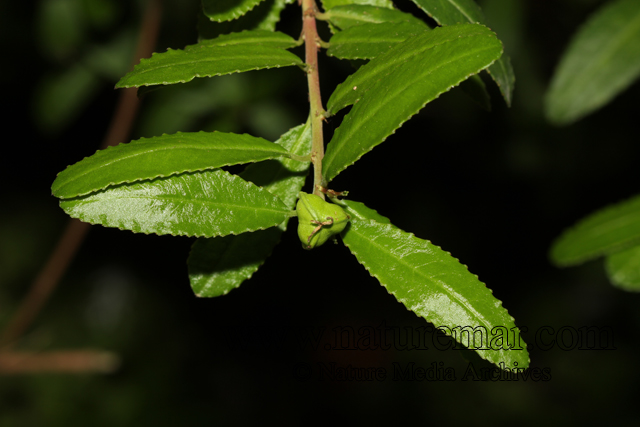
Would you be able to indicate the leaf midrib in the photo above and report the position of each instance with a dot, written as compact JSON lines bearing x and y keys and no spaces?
{"x":278,"y":153}
{"x":130,"y":156}
{"x":379,"y":106}
{"x":391,"y":65}
{"x":462,"y":11}
{"x":171,"y":198}
{"x":219,"y":59}
{"x":439,"y":284}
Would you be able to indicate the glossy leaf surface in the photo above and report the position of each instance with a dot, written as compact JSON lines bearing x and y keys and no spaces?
{"x":181,"y":66}
{"x":370,"y":40}
{"x":602,"y":59}
{"x":609,"y":230}
{"x":161,"y":156}
{"x":358,"y":210}
{"x":210,"y":203}
{"x":623,"y":269}
{"x":437,"y":287}
{"x":451,"y":12}
{"x":226,"y":10}
{"x":220,"y":264}
{"x":344,"y":17}
{"x":397,"y":84}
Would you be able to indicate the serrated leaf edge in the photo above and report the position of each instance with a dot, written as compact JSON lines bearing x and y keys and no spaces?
{"x":235,"y":13}
{"x":247,"y":184}
{"x":120,"y":85}
{"x":283,"y":229}
{"x":111,"y":184}
{"x":329,"y":179}
{"x":282,"y":226}
{"x":480,"y":353}
{"x":348,"y":83}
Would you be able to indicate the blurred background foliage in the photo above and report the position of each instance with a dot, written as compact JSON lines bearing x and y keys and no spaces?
{"x":494,"y":189}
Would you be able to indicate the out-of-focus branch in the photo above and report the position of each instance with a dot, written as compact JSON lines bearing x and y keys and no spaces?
{"x":46,"y":281}
{"x":75,"y":231}
{"x":70,"y":361}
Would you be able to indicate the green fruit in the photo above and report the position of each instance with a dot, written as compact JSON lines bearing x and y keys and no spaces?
{"x":318,"y":220}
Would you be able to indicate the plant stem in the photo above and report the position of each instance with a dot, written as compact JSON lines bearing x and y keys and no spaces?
{"x":311,"y":45}
{"x":60,"y":361}
{"x":120,"y":127}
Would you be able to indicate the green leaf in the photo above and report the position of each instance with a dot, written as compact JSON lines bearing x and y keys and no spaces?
{"x":265,"y":16}
{"x":475,"y":88}
{"x":367,"y":41}
{"x":358,"y":210}
{"x":502,"y":74}
{"x":273,"y":39}
{"x":227,"y":10}
{"x":397,"y":84}
{"x":344,"y":17}
{"x":370,"y":40}
{"x":284,"y":177}
{"x":220,"y":264}
{"x":60,"y":98}
{"x":161,"y":156}
{"x":437,"y":287}
{"x":451,"y":12}
{"x":181,"y":66}
{"x":210,"y":203}
{"x":602,"y":59}
{"x":606,"y":231}
{"x":328,"y":4}
{"x":623,"y":269}
{"x":386,"y":64}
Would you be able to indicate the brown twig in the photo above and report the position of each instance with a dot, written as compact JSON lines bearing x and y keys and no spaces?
{"x":68,"y":361}
{"x":311,"y":45}
{"x":76,"y":231}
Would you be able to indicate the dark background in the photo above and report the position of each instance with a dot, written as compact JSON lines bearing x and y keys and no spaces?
{"x":494,"y":189}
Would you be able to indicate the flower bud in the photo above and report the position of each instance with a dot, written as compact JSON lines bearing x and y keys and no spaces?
{"x":318,"y":220}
